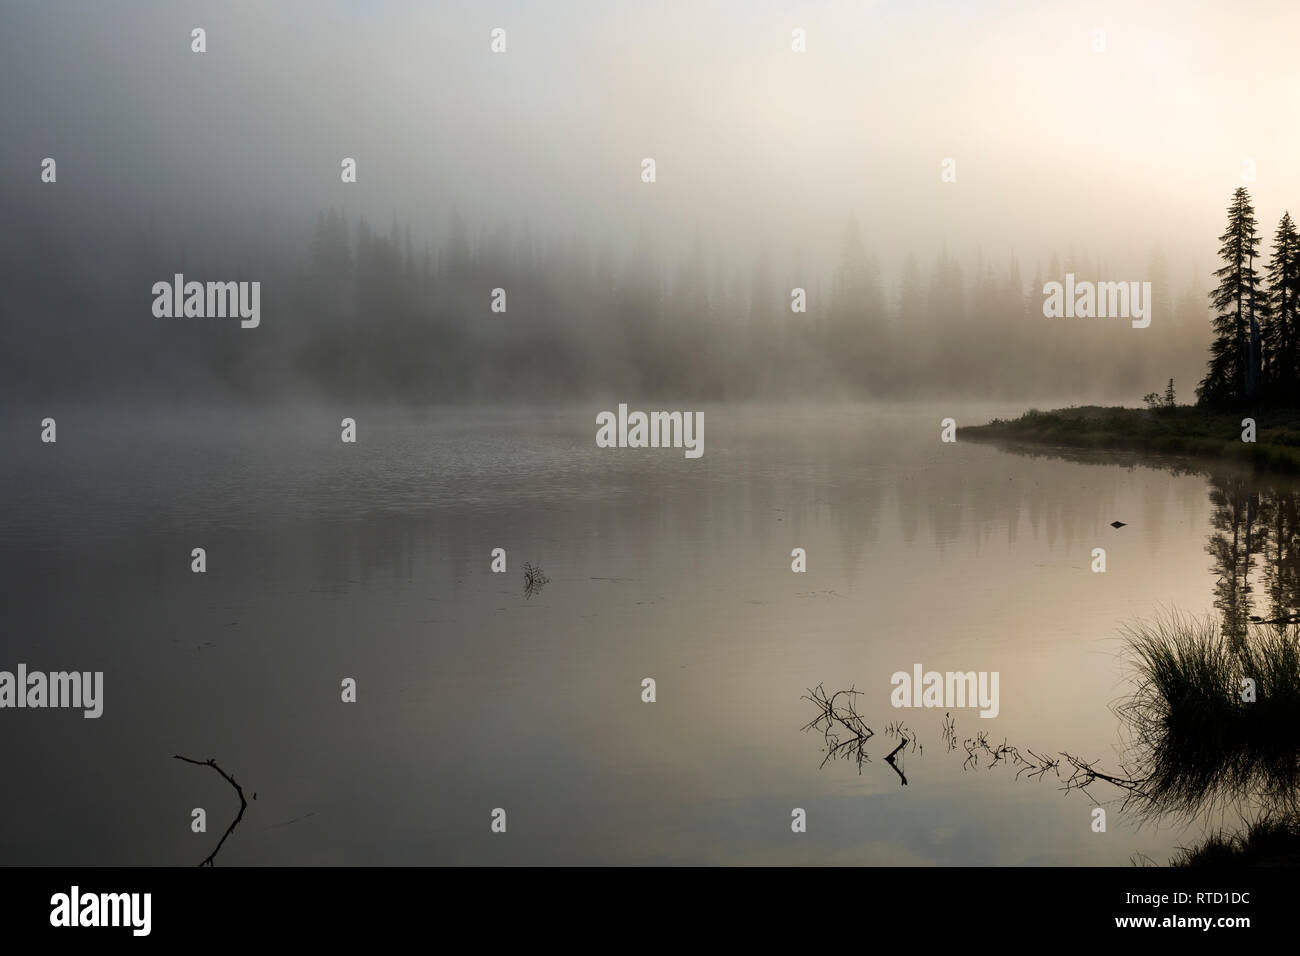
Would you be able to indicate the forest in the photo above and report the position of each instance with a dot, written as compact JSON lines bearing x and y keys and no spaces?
{"x":351,"y":312}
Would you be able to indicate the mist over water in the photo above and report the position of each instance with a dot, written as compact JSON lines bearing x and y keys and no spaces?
{"x":472,"y":694}
{"x":841,"y":249}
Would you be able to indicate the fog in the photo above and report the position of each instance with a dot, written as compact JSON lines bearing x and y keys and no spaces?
{"x":522,"y":170}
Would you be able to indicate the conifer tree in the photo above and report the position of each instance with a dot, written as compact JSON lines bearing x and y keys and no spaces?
{"x":1240,"y":305}
{"x":1282,"y":330}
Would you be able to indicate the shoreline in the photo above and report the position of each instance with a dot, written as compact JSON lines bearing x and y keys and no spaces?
{"x":1184,"y":431}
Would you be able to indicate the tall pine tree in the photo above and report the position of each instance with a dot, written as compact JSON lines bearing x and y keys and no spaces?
{"x":1239,"y":305}
{"x":1282,"y":330}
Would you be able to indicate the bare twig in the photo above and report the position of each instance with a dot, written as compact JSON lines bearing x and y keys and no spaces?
{"x":845,"y":717}
{"x":243,"y":804}
{"x":846,"y":735}
{"x":534,"y":579}
{"x":893,"y":753}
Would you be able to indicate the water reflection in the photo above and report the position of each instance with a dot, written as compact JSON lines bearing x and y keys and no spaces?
{"x":378,"y":566}
{"x":1256,"y":530}
{"x":1234,"y":546}
{"x":1209,"y":715}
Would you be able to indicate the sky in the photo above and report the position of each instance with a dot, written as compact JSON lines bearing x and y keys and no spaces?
{"x":758,"y":148}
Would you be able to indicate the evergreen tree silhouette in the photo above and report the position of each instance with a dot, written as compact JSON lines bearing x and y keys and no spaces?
{"x":1282,"y":328}
{"x":1239,"y":304}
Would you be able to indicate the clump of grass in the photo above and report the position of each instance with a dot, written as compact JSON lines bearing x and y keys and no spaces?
{"x":1272,"y":841}
{"x":1197,"y":743}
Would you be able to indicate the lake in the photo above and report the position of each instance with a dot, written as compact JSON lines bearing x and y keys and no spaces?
{"x":372,"y":561}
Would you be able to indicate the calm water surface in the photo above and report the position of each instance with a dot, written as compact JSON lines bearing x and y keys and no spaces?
{"x":371,"y":561}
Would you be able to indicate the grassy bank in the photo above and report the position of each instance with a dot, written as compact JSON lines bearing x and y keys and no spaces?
{"x":1182,"y":430}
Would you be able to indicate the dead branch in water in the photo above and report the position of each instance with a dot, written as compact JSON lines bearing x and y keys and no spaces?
{"x":1036,"y":765}
{"x":889,"y":758}
{"x":950,"y":732}
{"x":243,"y":804}
{"x":1085,"y":773}
{"x":534,"y":579}
{"x":846,"y":718}
{"x":846,"y":733}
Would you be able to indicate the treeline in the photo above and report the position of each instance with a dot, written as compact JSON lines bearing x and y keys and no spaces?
{"x":420,"y":322}
{"x":351,"y":312}
{"x":1255,"y":355}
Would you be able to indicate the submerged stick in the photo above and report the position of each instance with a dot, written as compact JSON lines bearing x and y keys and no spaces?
{"x":890,"y":760}
{"x":243,"y":804}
